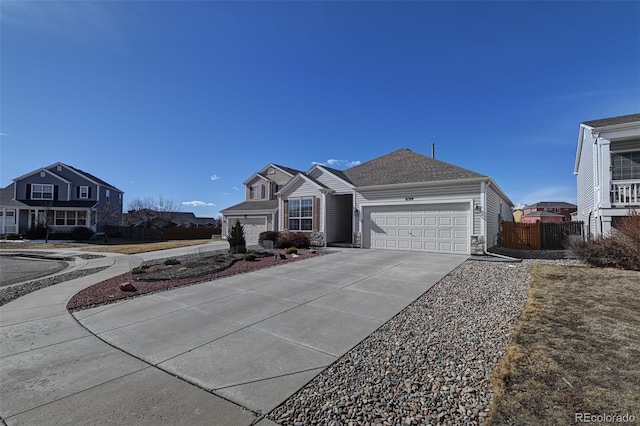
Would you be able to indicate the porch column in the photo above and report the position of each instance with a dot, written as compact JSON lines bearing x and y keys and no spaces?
{"x":605,"y":173}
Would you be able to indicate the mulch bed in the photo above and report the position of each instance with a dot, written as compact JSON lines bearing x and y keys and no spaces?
{"x":109,"y":291}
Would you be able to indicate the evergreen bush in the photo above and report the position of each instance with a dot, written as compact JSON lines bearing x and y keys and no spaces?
{"x":237,"y":242}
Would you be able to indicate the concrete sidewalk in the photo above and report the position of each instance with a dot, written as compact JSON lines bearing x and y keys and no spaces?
{"x":248,"y":341}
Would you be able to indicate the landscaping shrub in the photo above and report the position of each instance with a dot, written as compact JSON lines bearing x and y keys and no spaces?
{"x":237,"y":242}
{"x":293,"y":239}
{"x":250,"y":257}
{"x":268,"y":236}
{"x":13,"y":237}
{"x":621,"y":249}
{"x":169,"y":262}
{"x":291,"y":250}
{"x":140,"y":270}
{"x":37,"y":233}
{"x":81,"y":233}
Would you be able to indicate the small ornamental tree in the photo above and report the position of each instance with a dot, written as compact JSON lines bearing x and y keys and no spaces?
{"x":237,"y":243}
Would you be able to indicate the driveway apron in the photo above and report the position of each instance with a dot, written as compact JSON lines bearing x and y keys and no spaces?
{"x":256,"y":338}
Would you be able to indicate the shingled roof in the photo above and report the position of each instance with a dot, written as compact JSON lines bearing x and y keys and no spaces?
{"x":405,"y":166}
{"x":253,"y":205}
{"x":613,"y":120}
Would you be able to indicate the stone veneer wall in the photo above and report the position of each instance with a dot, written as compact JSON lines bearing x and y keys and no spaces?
{"x":477,"y":244}
{"x":357,"y":240}
{"x":316,"y":239}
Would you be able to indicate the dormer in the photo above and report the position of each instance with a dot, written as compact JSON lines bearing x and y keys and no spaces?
{"x":258,"y":188}
{"x":263,"y":186}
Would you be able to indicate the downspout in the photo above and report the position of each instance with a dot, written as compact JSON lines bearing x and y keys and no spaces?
{"x":324,"y":219}
{"x":483,"y":215}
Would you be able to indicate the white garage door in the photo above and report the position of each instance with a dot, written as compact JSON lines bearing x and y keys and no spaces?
{"x":443,"y":228}
{"x":252,"y":229}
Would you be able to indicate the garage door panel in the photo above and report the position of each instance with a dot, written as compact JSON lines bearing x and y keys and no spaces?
{"x":437,"y":228}
{"x":460,"y":221}
{"x":253,"y":226}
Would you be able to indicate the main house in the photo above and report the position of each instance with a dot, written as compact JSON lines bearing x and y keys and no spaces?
{"x":607,"y":167}
{"x":402,"y":200}
{"x":60,"y":196}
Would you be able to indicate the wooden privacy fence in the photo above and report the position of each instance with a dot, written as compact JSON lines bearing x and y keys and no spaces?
{"x":539,"y":235}
{"x":189,"y":233}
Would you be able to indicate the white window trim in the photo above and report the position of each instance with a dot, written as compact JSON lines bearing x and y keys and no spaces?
{"x":300,"y":218}
{"x":612,"y":154}
{"x":42,"y":191}
{"x":62,"y":218}
{"x":256,"y":192}
{"x":84,"y":192}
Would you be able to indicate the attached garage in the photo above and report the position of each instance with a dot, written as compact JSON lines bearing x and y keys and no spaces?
{"x":441,"y":228}
{"x":253,"y":226}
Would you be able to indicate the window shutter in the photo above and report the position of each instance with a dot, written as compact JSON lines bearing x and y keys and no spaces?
{"x":77,"y":192}
{"x":262,"y":193}
{"x":55,"y":192}
{"x":28,"y":196}
{"x":285,"y":215}
{"x":315,"y":226}
{"x":89,"y":192}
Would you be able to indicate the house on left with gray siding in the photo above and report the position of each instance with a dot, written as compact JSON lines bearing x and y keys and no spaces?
{"x":62,"y":196}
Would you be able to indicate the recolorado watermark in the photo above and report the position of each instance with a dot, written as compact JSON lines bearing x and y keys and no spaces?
{"x":604,"y":418}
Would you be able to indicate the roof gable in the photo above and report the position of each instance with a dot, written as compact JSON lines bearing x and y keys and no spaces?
{"x":291,"y":172}
{"x":254,"y":177}
{"x":405,"y":166}
{"x":297,"y":178}
{"x":42,"y":170}
{"x":79,"y":172}
{"x":336,"y":174}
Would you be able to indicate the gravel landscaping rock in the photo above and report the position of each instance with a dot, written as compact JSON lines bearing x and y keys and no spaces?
{"x":430,"y":364}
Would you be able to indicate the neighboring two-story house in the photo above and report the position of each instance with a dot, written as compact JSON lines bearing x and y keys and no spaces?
{"x":548,"y":211}
{"x":607,"y":167}
{"x":402,"y":200}
{"x":62,"y":197}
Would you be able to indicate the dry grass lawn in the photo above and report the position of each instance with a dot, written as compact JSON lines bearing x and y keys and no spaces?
{"x":576,"y":349}
{"x":101,"y":248}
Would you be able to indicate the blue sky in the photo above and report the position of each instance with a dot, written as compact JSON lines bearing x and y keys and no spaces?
{"x":188,"y":99}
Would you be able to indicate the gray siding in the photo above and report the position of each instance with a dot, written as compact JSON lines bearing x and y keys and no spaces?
{"x":22,"y":186}
{"x":77,"y":182}
{"x":586,"y":183}
{"x":302,"y":188}
{"x":496,"y":209}
{"x":445,"y":194}
{"x":330,"y":181}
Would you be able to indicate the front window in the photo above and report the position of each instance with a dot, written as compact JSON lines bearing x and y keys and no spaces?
{"x":71,"y":218}
{"x":256,"y":192}
{"x":41,"y":191}
{"x":82,"y":218}
{"x":625,"y":165}
{"x":84,"y":192}
{"x":301,"y":214}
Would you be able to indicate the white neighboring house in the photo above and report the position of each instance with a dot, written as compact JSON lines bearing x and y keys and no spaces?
{"x":607,"y":167}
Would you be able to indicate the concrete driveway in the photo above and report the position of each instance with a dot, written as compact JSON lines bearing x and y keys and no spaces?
{"x":256,"y":338}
